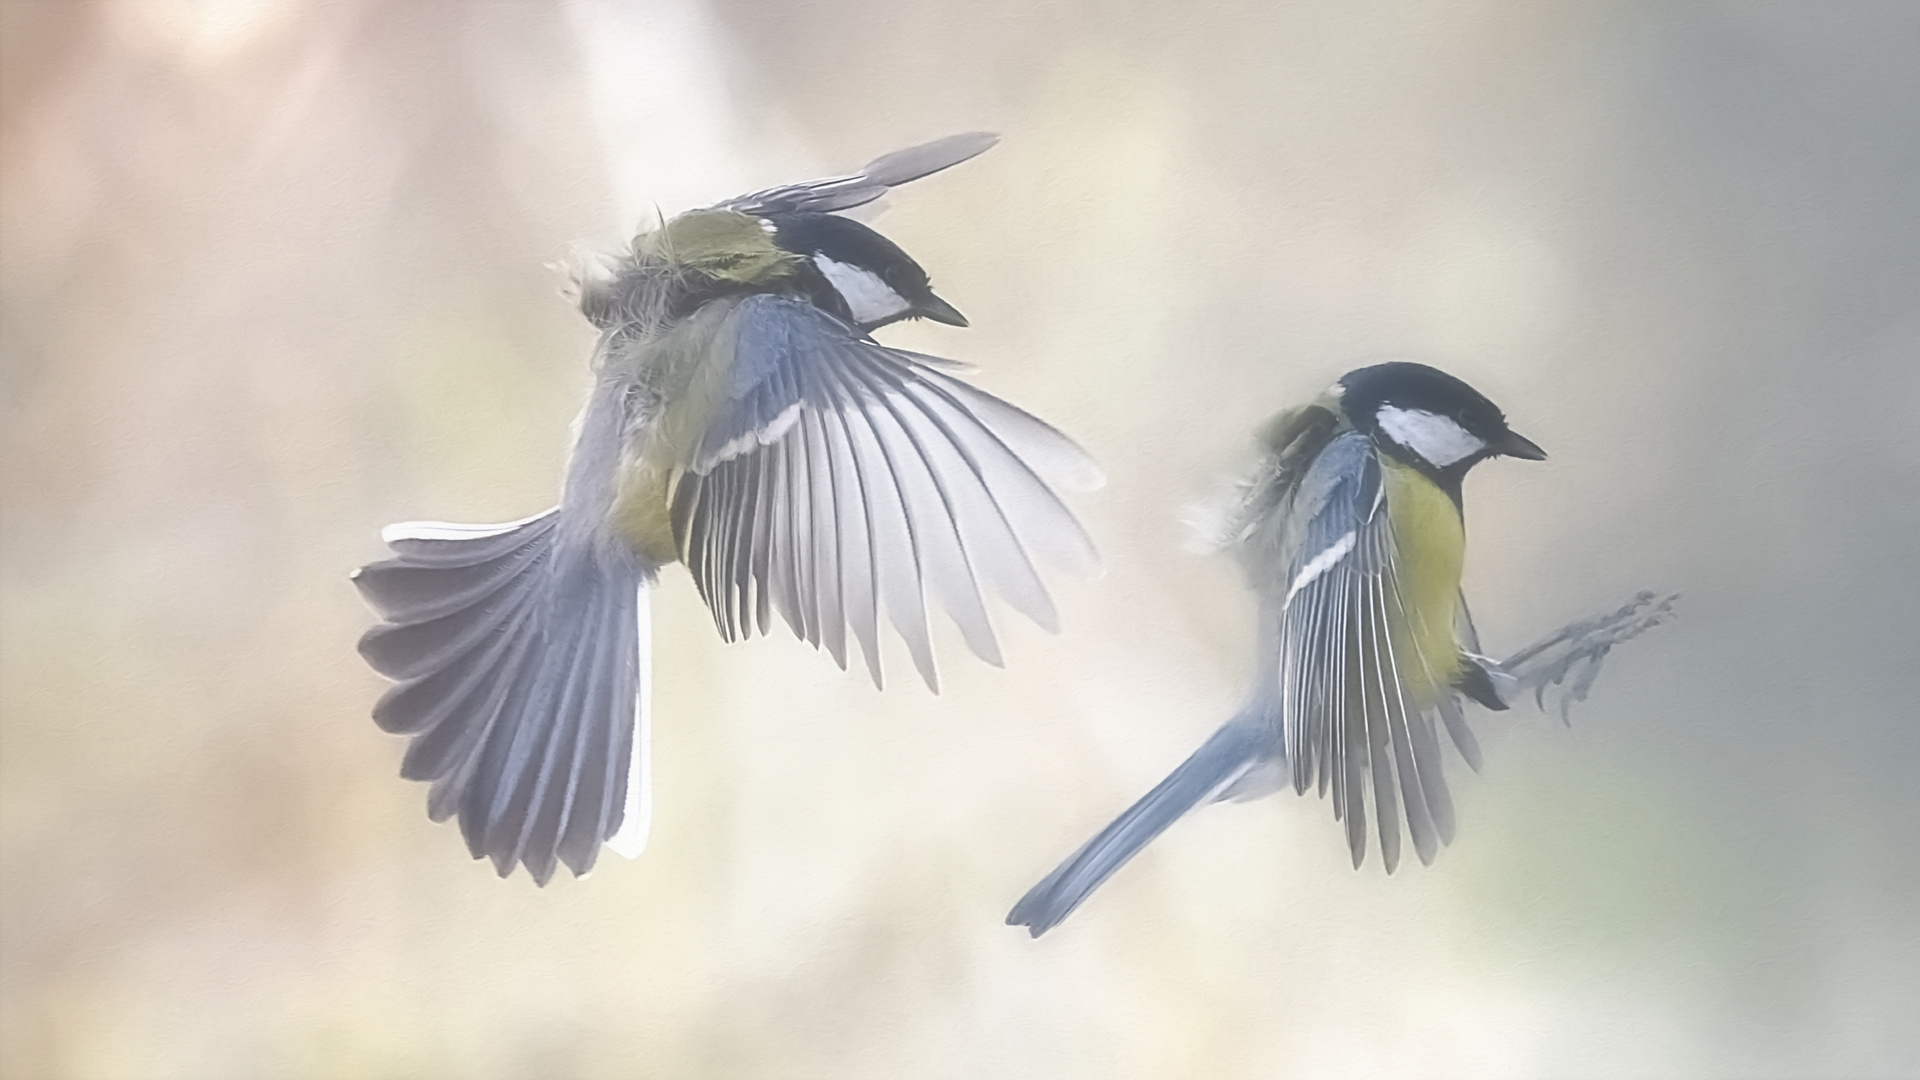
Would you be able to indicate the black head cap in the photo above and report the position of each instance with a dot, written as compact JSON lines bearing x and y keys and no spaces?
{"x":858,"y":274}
{"x":1429,"y":418}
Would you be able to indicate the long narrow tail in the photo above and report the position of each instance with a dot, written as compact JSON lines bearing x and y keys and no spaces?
{"x":1218,"y":762}
{"x":520,"y":663}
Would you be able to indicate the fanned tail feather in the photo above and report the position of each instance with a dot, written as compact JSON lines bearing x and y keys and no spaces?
{"x":518,"y":671}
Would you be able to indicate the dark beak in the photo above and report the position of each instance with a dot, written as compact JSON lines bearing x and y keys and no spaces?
{"x":1517,"y":445}
{"x":939,"y":311}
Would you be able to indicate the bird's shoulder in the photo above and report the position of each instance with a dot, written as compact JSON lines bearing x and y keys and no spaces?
{"x":1293,"y":438}
{"x":724,"y":245}
{"x":1290,"y":443}
{"x":1246,"y":505}
{"x":685,"y":264}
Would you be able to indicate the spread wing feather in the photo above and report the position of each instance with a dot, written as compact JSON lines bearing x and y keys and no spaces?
{"x":840,"y":480}
{"x":1356,"y":715}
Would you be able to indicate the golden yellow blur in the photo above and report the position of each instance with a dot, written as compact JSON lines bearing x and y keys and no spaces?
{"x":276,"y":273}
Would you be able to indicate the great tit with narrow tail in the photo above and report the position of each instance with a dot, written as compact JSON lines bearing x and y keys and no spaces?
{"x":743,"y":421}
{"x":1350,"y":533}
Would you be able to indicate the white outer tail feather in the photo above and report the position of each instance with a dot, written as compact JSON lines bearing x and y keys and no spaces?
{"x":636,"y":821}
{"x":450,"y":530}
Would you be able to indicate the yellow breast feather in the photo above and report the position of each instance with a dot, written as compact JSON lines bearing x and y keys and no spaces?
{"x":1430,"y":542}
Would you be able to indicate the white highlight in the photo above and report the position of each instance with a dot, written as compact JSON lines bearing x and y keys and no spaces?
{"x":1319,"y":565}
{"x":637,"y":820}
{"x":1434,"y":437}
{"x":447,"y":530}
{"x":766,"y":436}
{"x":869,"y":299}
{"x":671,"y":131}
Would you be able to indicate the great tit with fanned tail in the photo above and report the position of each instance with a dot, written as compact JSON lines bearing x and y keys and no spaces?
{"x":1351,"y":534}
{"x":743,"y":421}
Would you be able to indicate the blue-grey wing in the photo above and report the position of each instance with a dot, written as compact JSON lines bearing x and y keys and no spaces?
{"x":839,"y":480}
{"x":1341,"y":674}
{"x":835,"y":193}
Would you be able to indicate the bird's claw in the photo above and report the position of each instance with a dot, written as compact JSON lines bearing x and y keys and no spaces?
{"x":1570,"y":658}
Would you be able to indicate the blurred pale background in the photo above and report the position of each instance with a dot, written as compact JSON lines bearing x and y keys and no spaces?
{"x":277,"y":272}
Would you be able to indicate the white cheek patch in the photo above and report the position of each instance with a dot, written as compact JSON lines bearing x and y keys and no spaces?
{"x":869,"y":299}
{"x":1434,"y":437}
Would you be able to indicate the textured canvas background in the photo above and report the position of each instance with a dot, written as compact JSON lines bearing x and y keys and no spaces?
{"x":276,"y":273}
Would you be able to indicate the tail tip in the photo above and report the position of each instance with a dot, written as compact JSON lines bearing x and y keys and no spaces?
{"x":1034,"y":927}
